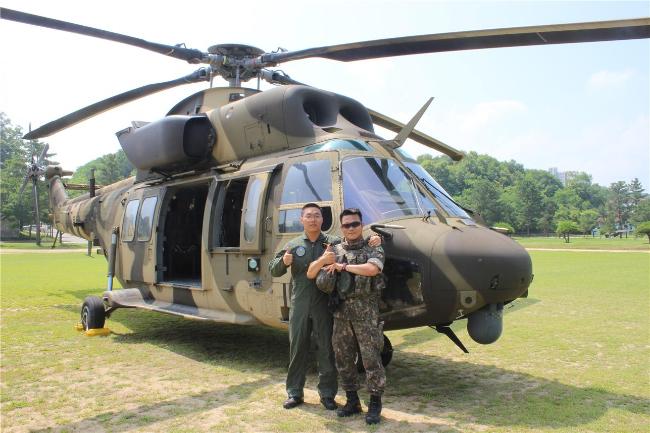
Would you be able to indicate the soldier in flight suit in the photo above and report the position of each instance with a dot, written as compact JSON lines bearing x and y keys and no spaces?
{"x":308,"y":313}
{"x":356,"y":321}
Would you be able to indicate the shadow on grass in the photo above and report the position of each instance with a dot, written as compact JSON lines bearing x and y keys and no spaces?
{"x":433,"y":386}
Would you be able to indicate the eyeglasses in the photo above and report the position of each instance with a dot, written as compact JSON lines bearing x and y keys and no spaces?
{"x":312,"y":216}
{"x":352,"y":225}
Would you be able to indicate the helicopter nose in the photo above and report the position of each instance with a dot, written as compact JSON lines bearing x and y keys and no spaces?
{"x":454,"y":269}
{"x":484,"y":267}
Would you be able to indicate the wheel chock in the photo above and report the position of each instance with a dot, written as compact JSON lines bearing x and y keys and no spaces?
{"x":79,"y":327}
{"x":98,"y":331}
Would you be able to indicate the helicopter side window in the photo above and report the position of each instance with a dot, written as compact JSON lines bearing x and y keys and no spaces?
{"x":289,"y":220}
{"x":128,"y":224}
{"x":145,"y":221}
{"x":227,"y":213}
{"x":308,"y":181}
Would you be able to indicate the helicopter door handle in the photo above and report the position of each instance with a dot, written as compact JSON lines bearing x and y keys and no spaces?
{"x":377,"y":228}
{"x":267,"y":224}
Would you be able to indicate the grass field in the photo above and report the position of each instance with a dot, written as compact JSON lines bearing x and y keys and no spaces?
{"x":585,"y":242}
{"x":46,"y":244}
{"x":573,"y":358}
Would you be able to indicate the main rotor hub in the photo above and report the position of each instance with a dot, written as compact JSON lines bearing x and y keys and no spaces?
{"x":237,"y":62}
{"x":235,"y":50}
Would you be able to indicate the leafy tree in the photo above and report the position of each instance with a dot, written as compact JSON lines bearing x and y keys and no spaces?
{"x":590,"y":195}
{"x":483,"y":196}
{"x":587,"y":220}
{"x":109,"y":168}
{"x":565,"y":228}
{"x":618,"y":204}
{"x":530,"y":202}
{"x":642,"y":211}
{"x":644,"y":229}
{"x":636,"y":193}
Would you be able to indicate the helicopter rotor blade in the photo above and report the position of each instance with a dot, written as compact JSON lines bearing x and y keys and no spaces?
{"x":472,"y":40}
{"x":22,"y":188}
{"x":415,"y":135}
{"x":202,"y":74}
{"x":41,"y":157}
{"x":177,"y":52}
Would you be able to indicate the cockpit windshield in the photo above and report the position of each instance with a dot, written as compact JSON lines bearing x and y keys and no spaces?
{"x":442,"y":196}
{"x":381,"y":189}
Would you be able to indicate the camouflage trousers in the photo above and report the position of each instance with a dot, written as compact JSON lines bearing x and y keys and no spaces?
{"x":346,"y":335}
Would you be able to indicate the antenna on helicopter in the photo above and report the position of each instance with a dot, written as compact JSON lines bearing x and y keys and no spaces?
{"x":401,"y":136}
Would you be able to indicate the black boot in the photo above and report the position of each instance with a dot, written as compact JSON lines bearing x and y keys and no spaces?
{"x":374,"y":410}
{"x":352,"y":405}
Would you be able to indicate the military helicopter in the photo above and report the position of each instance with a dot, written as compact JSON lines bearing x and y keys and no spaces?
{"x":222,"y":178}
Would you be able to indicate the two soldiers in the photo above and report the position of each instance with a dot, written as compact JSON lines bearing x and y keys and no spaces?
{"x":358,"y":313}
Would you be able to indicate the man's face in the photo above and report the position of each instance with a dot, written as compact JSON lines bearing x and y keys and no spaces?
{"x":351,"y":227}
{"x":311,"y":219}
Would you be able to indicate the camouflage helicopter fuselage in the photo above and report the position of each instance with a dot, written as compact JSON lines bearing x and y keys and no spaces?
{"x":220,"y":184}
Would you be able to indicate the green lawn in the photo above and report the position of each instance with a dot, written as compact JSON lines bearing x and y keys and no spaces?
{"x":573,"y":358}
{"x":585,"y":242}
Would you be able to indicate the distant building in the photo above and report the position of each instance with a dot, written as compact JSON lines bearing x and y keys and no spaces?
{"x":562,"y":176}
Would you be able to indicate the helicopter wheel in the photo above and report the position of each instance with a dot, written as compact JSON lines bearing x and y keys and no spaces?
{"x":93,"y":314}
{"x":386,"y":355}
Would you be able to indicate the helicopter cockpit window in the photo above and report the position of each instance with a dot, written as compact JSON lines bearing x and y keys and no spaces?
{"x":379,"y":188}
{"x":434,"y":187}
{"x":337,"y":145}
{"x":308,"y":181}
{"x":290,"y":220}
{"x":145,"y":221}
{"x":128,"y":224}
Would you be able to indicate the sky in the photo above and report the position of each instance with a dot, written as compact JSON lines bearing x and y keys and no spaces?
{"x":577,"y":107}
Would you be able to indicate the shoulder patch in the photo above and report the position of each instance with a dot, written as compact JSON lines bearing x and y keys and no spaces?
{"x":300,"y":251}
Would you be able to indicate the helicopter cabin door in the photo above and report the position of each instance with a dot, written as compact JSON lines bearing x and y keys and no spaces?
{"x":181,"y":224}
{"x":138,"y":237}
{"x":236,"y":239}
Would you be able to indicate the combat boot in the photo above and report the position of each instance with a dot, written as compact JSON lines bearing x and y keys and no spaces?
{"x":352,"y":405}
{"x":374,"y":410}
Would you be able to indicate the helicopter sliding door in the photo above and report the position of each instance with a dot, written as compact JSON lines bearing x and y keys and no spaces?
{"x":236,"y":241}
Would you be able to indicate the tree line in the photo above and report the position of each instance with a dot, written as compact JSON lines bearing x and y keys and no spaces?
{"x":534,"y":201}
{"x":503,"y":192}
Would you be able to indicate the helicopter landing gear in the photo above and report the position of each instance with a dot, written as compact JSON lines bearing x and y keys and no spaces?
{"x":386,"y":355}
{"x":93,"y":314}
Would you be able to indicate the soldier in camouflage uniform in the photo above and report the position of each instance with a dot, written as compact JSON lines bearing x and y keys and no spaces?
{"x":356,"y":321}
{"x":308,"y":314}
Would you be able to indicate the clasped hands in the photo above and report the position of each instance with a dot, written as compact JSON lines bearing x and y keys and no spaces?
{"x":328,"y":259}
